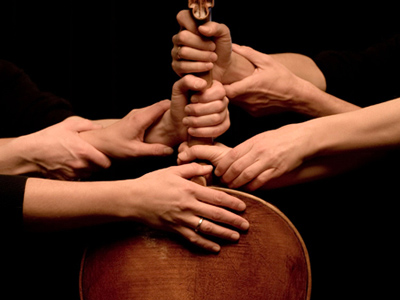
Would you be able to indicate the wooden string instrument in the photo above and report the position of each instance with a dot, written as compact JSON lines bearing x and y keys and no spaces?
{"x":131,"y":261}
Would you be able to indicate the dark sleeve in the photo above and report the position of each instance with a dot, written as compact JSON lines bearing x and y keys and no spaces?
{"x":365,"y":77}
{"x":24,"y":108}
{"x":12,"y":197}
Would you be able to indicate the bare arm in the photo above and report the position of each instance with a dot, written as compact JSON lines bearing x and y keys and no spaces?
{"x":163,"y":199}
{"x":303,"y":67}
{"x":305,"y":151}
{"x":54,"y":152}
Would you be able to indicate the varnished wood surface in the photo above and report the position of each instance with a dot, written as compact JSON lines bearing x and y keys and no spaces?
{"x":134,"y":262}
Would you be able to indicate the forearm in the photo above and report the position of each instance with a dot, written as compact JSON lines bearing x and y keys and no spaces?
{"x":13,"y":158}
{"x":323,"y":167}
{"x":56,"y":205}
{"x":303,"y":67}
{"x":310,"y":100}
{"x":373,"y":127}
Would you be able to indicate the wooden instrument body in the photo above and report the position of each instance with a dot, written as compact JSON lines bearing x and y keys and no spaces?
{"x":269,"y":262}
{"x":135,"y":262}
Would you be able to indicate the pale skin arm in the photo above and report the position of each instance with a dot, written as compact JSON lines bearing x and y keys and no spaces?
{"x":303,"y":67}
{"x":54,"y":152}
{"x":272,"y":155}
{"x":273,"y":85}
{"x":260,"y":84}
{"x":163,"y":199}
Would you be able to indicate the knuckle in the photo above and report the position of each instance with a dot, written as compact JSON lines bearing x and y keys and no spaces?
{"x":217,"y":215}
{"x":247,"y":175}
{"x":216,"y":119}
{"x":236,"y":168}
{"x":194,"y":239}
{"x":207,"y":227}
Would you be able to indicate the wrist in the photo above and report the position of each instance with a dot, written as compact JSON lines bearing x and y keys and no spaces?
{"x":238,"y":69}
{"x":167,"y":131}
{"x":16,"y":157}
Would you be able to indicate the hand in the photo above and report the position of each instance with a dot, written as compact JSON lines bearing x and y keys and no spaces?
{"x":171,"y":202}
{"x":124,"y":138}
{"x":207,"y":48}
{"x":212,"y":153}
{"x":59,"y":152}
{"x":256,"y":161}
{"x":206,"y":116}
{"x":271,"y":85}
{"x":265,"y":156}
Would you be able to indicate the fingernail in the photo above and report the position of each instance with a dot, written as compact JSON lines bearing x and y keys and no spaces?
{"x":235,"y":236}
{"x":216,"y":248}
{"x":245,"y":225}
{"x":242,"y":206}
{"x":182,"y":156}
{"x":198,"y":84}
{"x":168,"y":151}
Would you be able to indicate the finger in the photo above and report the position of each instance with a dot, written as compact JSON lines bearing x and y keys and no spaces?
{"x":182,"y":147}
{"x":261,"y":180}
{"x":232,"y":156}
{"x":222,"y":216}
{"x":214,"y":29}
{"x":186,"y":67}
{"x":215,"y":93}
{"x":220,"y":199}
{"x":236,"y":169}
{"x":209,"y":228}
{"x":79,"y":124}
{"x":198,"y":240}
{"x":239,"y":87}
{"x":153,"y":150}
{"x":185,"y":20}
{"x":254,"y":56}
{"x":205,"y":121}
{"x":186,"y":84}
{"x":189,"y":171}
{"x":191,"y":40}
{"x":202,"y":152}
{"x":202,"y":109}
{"x":207,"y":132}
{"x":151,"y":113}
{"x":248,"y":174}
{"x":96,"y":157}
{"x":187,"y":53}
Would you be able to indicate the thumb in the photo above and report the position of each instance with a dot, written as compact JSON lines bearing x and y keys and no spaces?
{"x":154,"y":150}
{"x":211,"y":153}
{"x":238,"y":88}
{"x":152,"y":113}
{"x":255,"y":57}
{"x":80,"y":124}
{"x":191,"y":170}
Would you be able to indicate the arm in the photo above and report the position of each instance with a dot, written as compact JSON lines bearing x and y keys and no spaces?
{"x":155,"y":129}
{"x":274,"y":85}
{"x":54,"y":152}
{"x":303,"y":67}
{"x":254,"y":81}
{"x":162,"y":199}
{"x":304,"y":151}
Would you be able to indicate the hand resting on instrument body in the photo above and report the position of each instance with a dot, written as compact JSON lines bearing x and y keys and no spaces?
{"x":163,"y":199}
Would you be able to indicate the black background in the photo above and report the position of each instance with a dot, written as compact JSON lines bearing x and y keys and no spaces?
{"x":108,"y":57}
